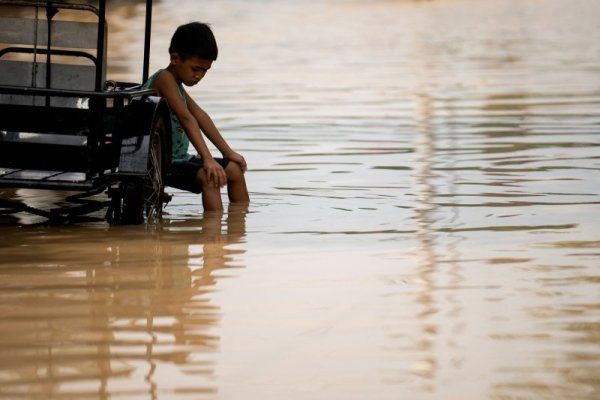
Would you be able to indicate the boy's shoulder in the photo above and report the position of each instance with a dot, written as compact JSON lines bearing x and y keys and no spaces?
{"x":165,"y":85}
{"x":152,"y":79}
{"x":165,"y":80}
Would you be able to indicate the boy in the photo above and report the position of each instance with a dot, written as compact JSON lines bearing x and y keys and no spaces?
{"x":193,"y":49}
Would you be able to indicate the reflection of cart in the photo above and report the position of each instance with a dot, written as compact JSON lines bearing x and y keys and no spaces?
{"x":63,"y":126}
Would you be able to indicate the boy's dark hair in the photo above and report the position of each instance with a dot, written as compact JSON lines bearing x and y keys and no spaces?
{"x":194,"y":40}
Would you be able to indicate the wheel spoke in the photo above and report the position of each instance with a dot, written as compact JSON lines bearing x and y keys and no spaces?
{"x":154,"y":184}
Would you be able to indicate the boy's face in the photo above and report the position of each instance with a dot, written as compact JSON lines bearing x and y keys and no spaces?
{"x":190,"y":70}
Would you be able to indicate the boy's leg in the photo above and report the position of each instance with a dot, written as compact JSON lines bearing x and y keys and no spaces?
{"x":236,"y":184}
{"x":211,"y":195}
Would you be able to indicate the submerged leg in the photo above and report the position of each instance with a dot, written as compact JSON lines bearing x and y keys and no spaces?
{"x":236,"y":184}
{"x":211,"y":195}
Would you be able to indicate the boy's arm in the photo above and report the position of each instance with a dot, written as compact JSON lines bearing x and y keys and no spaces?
{"x":167,"y":88}
{"x":212,"y":133}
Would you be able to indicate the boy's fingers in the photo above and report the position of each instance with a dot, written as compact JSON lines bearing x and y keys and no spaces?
{"x":219,"y":177}
{"x":223,"y":177}
{"x":242,"y":163}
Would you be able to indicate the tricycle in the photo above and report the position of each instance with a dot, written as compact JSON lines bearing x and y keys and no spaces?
{"x":65,"y":127}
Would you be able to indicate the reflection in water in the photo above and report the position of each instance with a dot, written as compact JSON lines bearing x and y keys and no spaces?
{"x":110,"y":313}
{"x":425,"y":210}
{"x":424,"y":179}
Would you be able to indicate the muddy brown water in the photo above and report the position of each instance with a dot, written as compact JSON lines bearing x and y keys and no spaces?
{"x":424,"y":221}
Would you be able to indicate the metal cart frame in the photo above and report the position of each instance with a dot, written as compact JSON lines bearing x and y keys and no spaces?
{"x":63,"y":126}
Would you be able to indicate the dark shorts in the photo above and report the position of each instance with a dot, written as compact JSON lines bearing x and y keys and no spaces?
{"x":183,"y":173}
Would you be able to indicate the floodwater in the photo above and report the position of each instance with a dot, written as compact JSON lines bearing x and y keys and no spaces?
{"x":425,"y":217}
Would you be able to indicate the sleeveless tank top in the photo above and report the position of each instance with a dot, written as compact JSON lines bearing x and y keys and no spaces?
{"x":179,"y":140}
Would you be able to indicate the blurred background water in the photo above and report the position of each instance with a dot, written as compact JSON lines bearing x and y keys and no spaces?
{"x":424,"y":221}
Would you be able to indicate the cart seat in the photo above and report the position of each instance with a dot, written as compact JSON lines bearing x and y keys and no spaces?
{"x":73,"y":52}
{"x":58,"y":132}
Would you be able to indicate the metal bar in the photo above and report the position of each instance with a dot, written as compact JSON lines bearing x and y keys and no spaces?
{"x":28,"y":50}
{"x":50,"y":176}
{"x":50,"y":13}
{"x":42,"y":3}
{"x":20,"y":207}
{"x":100,"y":46}
{"x":34,"y":66}
{"x":128,"y":93}
{"x":148,"y":29}
{"x":59,"y":215}
{"x":7,"y":173}
{"x":37,"y":184}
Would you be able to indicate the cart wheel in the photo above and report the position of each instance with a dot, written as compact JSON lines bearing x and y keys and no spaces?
{"x":154,"y":183}
{"x":144,"y":197}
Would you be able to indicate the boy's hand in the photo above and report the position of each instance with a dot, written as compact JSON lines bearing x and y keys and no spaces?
{"x":238,"y":158}
{"x":215,"y":173}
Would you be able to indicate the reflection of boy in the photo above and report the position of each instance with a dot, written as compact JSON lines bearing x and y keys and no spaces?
{"x":193,"y":49}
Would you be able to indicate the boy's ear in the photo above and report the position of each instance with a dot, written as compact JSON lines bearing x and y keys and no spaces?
{"x":175,"y":58}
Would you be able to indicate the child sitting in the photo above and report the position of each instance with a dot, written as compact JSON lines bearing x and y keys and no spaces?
{"x":193,"y":49}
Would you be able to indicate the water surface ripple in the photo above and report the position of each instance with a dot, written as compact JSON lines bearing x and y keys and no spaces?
{"x":424,"y":220}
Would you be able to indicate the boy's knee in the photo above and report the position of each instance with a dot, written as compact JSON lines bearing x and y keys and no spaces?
{"x":234,"y":171}
{"x":201,"y":178}
{"x":202,"y":181}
